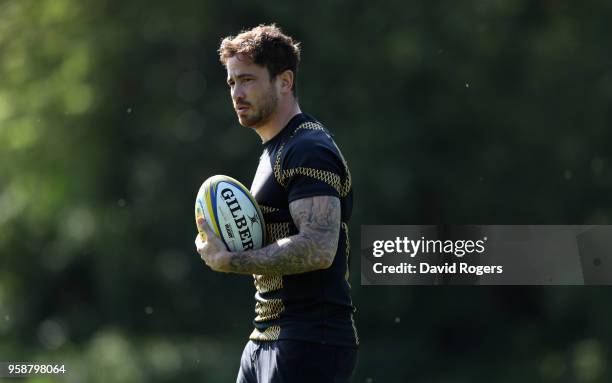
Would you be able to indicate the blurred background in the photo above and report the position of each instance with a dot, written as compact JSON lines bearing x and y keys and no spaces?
{"x":112,"y":114}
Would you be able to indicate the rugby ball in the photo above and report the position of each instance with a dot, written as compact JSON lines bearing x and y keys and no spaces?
{"x":232,"y":212}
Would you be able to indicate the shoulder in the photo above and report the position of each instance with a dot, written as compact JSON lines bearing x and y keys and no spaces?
{"x":310,"y":138}
{"x":311,"y":164}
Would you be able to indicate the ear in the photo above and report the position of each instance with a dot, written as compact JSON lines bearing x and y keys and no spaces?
{"x":286,"y":81}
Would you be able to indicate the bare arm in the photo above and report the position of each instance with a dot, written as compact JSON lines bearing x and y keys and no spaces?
{"x":314,"y":247}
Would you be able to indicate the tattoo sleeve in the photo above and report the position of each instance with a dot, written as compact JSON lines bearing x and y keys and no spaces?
{"x":314,"y":247}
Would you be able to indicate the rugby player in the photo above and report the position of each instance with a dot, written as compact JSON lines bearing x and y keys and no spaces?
{"x":304,"y":329}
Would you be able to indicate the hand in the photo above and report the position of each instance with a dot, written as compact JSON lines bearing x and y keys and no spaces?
{"x":213,"y":252}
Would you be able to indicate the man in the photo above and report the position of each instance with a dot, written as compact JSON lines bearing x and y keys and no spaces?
{"x":304,"y":328}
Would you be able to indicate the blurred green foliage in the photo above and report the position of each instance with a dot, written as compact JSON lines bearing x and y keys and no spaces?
{"x":112,"y":113}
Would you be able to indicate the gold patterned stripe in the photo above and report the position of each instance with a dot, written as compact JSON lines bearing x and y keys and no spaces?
{"x":309,"y":125}
{"x":277,"y":164}
{"x":347,"y":250}
{"x":348,"y":181}
{"x":346,"y":275}
{"x":268,"y":309}
{"x":330,"y":178}
{"x":271,"y":333}
{"x":277,"y":230}
{"x":268,"y":209}
{"x":268,"y":283}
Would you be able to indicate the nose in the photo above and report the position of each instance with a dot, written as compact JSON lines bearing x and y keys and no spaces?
{"x":237,"y":93}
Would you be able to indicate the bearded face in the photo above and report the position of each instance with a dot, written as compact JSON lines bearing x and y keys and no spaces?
{"x":254,"y":94}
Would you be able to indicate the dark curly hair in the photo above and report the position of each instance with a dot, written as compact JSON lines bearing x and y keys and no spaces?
{"x":265,"y":45}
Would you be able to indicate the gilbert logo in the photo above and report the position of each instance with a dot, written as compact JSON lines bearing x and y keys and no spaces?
{"x":238,"y":216}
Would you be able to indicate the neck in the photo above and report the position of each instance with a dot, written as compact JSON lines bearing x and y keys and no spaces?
{"x":278,"y":120}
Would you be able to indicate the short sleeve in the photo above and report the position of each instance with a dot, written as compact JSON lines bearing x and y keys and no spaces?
{"x":312,"y":168}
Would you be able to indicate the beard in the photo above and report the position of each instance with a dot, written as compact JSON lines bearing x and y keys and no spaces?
{"x":260,"y":112}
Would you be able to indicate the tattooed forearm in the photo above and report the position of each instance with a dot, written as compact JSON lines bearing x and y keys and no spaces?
{"x":313,"y":248}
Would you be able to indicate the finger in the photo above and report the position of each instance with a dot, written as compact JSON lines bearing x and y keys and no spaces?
{"x":203,"y":229}
{"x":201,"y":222}
{"x":211,"y":236}
{"x":203,"y":226}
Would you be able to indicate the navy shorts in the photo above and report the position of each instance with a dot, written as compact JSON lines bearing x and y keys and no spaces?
{"x":290,"y":361}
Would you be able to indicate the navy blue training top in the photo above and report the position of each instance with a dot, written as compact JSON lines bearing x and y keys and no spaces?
{"x":303,"y":161}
